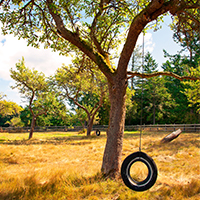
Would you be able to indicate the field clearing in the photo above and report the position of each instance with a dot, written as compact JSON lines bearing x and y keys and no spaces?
{"x":59,"y":166}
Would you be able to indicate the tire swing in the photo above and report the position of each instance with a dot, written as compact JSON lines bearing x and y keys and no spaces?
{"x":97,"y":132}
{"x":133,"y":183}
{"x":139,"y":157}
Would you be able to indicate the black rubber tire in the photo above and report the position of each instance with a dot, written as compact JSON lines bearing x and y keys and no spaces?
{"x":97,"y":132}
{"x":152,"y":171}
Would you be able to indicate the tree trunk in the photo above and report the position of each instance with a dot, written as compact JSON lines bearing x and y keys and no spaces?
{"x":91,"y":119}
{"x":113,"y":150}
{"x":89,"y":126}
{"x":171,"y":136}
{"x":32,"y":127}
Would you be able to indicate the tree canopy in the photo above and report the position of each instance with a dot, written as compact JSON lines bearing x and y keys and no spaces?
{"x":34,"y":86}
{"x":94,"y":27}
{"x":9,"y":108}
{"x":84,"y":85}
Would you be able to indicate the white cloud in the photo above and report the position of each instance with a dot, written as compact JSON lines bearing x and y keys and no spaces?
{"x":148,"y":42}
{"x":12,"y":50}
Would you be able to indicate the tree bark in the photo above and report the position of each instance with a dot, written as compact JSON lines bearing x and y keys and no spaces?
{"x":89,"y":126}
{"x":171,"y":136}
{"x":32,"y":127}
{"x":113,"y":150}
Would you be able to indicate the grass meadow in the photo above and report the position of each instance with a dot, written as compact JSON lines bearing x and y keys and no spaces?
{"x":66,"y":166}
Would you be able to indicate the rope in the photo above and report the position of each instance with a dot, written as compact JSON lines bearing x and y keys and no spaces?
{"x":140,"y":143}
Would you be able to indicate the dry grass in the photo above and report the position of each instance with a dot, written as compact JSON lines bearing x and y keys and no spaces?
{"x":59,"y":166}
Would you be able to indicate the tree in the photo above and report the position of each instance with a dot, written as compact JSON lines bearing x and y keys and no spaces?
{"x":12,"y":109}
{"x":193,"y":91}
{"x":84,"y":86}
{"x":15,"y":122}
{"x":136,"y":63}
{"x":34,"y":86}
{"x":181,"y":65}
{"x":94,"y":27}
{"x":9,"y":108}
{"x":152,"y":96}
{"x":158,"y":99}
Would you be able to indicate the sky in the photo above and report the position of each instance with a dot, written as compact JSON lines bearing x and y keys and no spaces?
{"x":44,"y":60}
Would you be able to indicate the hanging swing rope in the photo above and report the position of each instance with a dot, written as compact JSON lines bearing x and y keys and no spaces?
{"x":140,"y":143}
{"x":139,"y":156}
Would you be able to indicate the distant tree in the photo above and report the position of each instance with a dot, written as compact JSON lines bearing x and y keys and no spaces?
{"x":193,"y":90}
{"x":84,"y":86}
{"x":152,"y":97}
{"x":158,"y":100}
{"x":59,"y":116}
{"x":34,"y":87}
{"x":26,"y":116}
{"x":15,"y":122}
{"x":190,"y":42}
{"x":136,"y":64}
{"x":9,"y":108}
{"x":131,"y":106}
{"x":184,"y":111}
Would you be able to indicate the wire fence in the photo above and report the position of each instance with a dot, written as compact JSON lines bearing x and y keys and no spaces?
{"x":147,"y":128}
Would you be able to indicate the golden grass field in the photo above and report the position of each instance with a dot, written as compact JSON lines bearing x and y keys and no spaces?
{"x":66,"y":166}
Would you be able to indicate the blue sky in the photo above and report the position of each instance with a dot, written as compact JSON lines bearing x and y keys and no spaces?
{"x":12,"y":50}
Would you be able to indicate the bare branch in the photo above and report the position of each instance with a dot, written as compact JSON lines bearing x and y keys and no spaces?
{"x":79,"y":105}
{"x":144,"y":75}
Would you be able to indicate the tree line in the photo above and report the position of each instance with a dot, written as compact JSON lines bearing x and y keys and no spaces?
{"x":161,"y":99}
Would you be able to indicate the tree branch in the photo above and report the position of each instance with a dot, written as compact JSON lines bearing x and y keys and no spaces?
{"x":81,"y":44}
{"x":93,"y":28}
{"x":154,"y":9}
{"x":80,"y":106}
{"x":150,"y":13}
{"x":144,"y":75}
{"x":67,"y":34}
